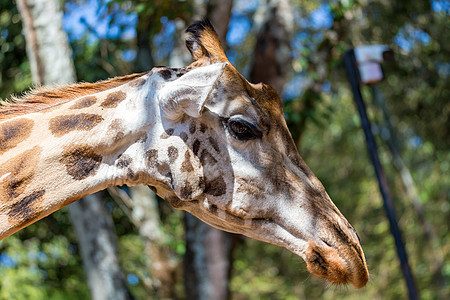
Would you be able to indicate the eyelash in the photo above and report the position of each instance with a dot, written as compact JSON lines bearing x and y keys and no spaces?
{"x":243,"y":130}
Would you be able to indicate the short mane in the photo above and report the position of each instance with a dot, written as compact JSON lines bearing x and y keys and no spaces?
{"x":45,"y":97}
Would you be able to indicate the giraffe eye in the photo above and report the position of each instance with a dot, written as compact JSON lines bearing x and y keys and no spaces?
{"x":243,"y":130}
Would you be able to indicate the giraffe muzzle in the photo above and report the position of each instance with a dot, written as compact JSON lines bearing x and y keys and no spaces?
{"x":326,"y":262}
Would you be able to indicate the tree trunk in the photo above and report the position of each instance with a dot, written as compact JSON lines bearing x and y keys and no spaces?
{"x":98,"y":245}
{"x":219,"y":12}
{"x":144,"y":58}
{"x":162,"y":267}
{"x":47,"y":48}
{"x":272,"y":55}
{"x":51,"y":63}
{"x":208,"y":258}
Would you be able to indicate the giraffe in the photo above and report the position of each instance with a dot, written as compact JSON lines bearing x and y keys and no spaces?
{"x":202,"y":137}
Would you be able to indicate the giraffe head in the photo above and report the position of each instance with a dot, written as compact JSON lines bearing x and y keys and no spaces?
{"x":231,"y":162}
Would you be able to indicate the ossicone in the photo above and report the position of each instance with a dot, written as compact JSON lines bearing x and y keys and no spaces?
{"x":204,"y":44}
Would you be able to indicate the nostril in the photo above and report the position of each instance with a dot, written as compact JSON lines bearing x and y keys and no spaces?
{"x":318,"y":260}
{"x":325,"y":263}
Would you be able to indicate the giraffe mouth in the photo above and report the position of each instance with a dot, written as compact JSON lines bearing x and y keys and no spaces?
{"x":338,"y":264}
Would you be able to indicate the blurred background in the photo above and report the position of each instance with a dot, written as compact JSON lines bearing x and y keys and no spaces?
{"x":155,"y":252}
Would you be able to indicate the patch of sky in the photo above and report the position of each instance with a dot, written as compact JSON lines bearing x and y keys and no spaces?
{"x":34,"y":269}
{"x":416,"y":141}
{"x":164,"y":40}
{"x":246,"y":6}
{"x":7,"y":261}
{"x":128,"y":55}
{"x":42,"y":257}
{"x":98,"y":20}
{"x":326,"y":86}
{"x":441,"y":6}
{"x":408,"y":37}
{"x":238,"y":29}
{"x":293,"y":89}
{"x":300,"y":40}
{"x":443,"y":68}
{"x":37,"y":256}
{"x":4,"y":34}
{"x":132,"y":279}
{"x":321,"y":18}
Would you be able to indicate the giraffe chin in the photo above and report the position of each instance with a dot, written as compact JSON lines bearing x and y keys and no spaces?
{"x":338,"y":265}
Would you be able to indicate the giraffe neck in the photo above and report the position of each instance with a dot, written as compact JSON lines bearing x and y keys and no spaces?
{"x":55,"y":156}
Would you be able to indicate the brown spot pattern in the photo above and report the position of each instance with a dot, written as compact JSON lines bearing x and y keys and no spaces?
{"x":165,"y":74}
{"x":213,"y":209}
{"x":164,"y":170}
{"x":113,"y":99}
{"x":138,"y":82}
{"x":249,"y":186}
{"x":21,"y":169}
{"x":206,"y":158}
{"x":186,"y":166}
{"x":62,"y":125}
{"x":24,"y":209}
{"x":179,"y":71}
{"x":81,"y":162}
{"x":196,"y":147}
{"x":186,"y":191}
{"x":214,"y":144}
{"x":216,"y":187}
{"x":123,"y":161}
{"x":49,"y":98}
{"x":203,"y":127}
{"x":192,"y":127}
{"x":184,"y":136}
{"x":117,"y":128}
{"x":151,"y":156}
{"x":172,"y":152}
{"x":84,"y":102}
{"x":167,"y":133}
{"x":132,"y":176}
{"x":13,"y":132}
{"x":170,"y":131}
{"x":142,"y":138}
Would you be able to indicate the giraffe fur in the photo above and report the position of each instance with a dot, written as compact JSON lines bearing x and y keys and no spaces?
{"x":204,"y":138}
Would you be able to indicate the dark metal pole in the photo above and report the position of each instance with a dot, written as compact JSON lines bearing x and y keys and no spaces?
{"x":353,"y":77}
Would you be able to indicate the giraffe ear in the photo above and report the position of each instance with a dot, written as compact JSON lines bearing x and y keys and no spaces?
{"x":188,"y":94}
{"x":204,"y":43}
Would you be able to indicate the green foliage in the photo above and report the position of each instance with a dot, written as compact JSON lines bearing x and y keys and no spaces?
{"x":45,"y":263}
{"x":40,"y":262}
{"x":15,"y":73}
{"x":327,"y":130}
